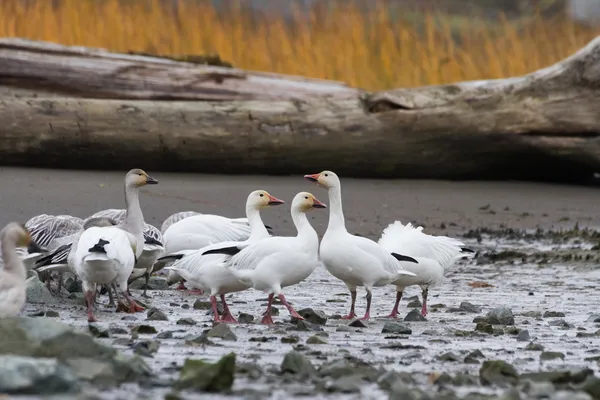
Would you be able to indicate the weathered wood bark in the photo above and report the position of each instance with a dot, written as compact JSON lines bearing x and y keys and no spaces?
{"x":545,"y":126}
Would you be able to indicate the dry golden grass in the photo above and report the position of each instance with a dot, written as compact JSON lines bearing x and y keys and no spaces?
{"x":366,"y":50}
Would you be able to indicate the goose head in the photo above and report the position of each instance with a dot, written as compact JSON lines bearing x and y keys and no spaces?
{"x":138,"y":177}
{"x":305,"y":201}
{"x":16,"y":233}
{"x":260,"y":199}
{"x":326,"y":179}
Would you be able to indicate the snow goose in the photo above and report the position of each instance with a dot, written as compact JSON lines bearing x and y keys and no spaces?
{"x":153,"y":246}
{"x":435,"y":255}
{"x":13,"y":272}
{"x":104,"y":255}
{"x":276,"y":262}
{"x":355,"y":260}
{"x":178,"y":216}
{"x":207,"y":272}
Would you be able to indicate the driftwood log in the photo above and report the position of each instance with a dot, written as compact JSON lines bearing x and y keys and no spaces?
{"x":72,"y":107}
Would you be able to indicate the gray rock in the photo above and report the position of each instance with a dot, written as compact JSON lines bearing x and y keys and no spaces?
{"x":592,"y":387}
{"x":400,"y":391}
{"x":449,"y":357}
{"x":201,"y":376}
{"x":357,"y":323}
{"x":143,"y":330}
{"x":498,"y":372}
{"x":387,"y":379}
{"x":43,"y":337}
{"x":346,"y":384}
{"x":551,"y":355}
{"x":222,"y":331}
{"x":395,"y":327}
{"x":414,"y":304}
{"x":290,"y":339}
{"x":37,"y":292}
{"x":155,"y":283}
{"x":500,"y":316}
{"x":575,"y":376}
{"x":35,"y":376}
{"x":154,"y":314}
{"x":305,"y":326}
{"x":314,"y":339}
{"x":244,"y":318}
{"x":165,"y":335}
{"x":199,"y":340}
{"x":297,"y":364}
{"x":595,"y":318}
{"x":186,"y":321}
{"x":523,"y":336}
{"x":98,"y":330}
{"x":470,"y":308}
{"x":313,"y":316}
{"x":534,"y":347}
{"x":350,"y":366}
{"x":146,"y":348}
{"x":414,"y":316}
{"x":553,"y":314}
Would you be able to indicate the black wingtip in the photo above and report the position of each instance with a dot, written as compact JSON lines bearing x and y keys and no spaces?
{"x":170,"y":257}
{"x":99,"y":247}
{"x":467,"y":250}
{"x":224,"y":250}
{"x":401,"y":257}
{"x":269,"y":228}
{"x":151,"y":240}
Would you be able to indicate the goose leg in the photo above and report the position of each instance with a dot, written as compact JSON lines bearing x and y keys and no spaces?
{"x":287,"y":305}
{"x":181,"y":286}
{"x":133,"y":306}
{"x":227,"y":316}
{"x":213,"y":302}
{"x":59,"y":285}
{"x":352,"y":314}
{"x":394,"y":313}
{"x":267,"y":316}
{"x":111,"y":300}
{"x":424,"y":308}
{"x":90,"y":297}
{"x":195,"y":291}
{"x":368,"y":313}
{"x":147,"y":277}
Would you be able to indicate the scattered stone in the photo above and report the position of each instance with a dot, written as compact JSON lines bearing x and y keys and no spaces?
{"x":290,"y":339}
{"x":143,"y":330}
{"x":500,"y":316}
{"x":470,"y":308}
{"x":592,"y":387}
{"x":414,"y":316}
{"x":297,"y":364}
{"x":222,"y":331}
{"x":553,"y":314}
{"x":155,"y":283}
{"x":261,"y":339}
{"x":199,"y":340}
{"x":313,"y":316}
{"x":400,"y":391}
{"x":534,"y":347}
{"x":551,"y":355}
{"x":51,"y":314}
{"x":484,"y":328}
{"x":37,"y":292}
{"x":395,"y":327}
{"x":202,"y":376}
{"x":305,"y":326}
{"x":154,"y":314}
{"x":575,"y":376}
{"x":346,"y":384}
{"x":449,"y":357}
{"x":532,"y":314}
{"x":146,"y":348}
{"x":98,"y":330}
{"x":350,"y":366}
{"x":562,"y":323}
{"x":357,"y":323}
{"x":387,"y":379}
{"x":523,"y":336}
{"x":595,"y":318}
{"x":244,"y":318}
{"x":316,"y":340}
{"x":39,"y":376}
{"x":498,"y":372}
{"x":539,"y":390}
{"x":186,"y":321}
{"x":117,"y":330}
{"x":252,"y":370}
{"x":87,"y":358}
{"x":165,"y":335}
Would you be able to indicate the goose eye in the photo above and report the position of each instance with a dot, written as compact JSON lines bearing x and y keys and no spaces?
{"x":261,"y":195}
{"x":326,"y":174}
{"x":306,"y":197}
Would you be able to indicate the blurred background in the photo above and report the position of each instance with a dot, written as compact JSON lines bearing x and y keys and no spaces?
{"x":371,"y":44}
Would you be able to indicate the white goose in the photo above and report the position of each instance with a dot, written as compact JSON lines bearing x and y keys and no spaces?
{"x":207,"y":272}
{"x":178,"y":216}
{"x":435,"y":255}
{"x":355,"y":260}
{"x":13,"y":272}
{"x":104,"y":255}
{"x":153,"y":245}
{"x":276,"y":262}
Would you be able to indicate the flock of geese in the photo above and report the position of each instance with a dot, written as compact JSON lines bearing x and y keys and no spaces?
{"x":216,"y":254}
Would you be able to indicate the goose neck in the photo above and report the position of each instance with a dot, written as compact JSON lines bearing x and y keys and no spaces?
{"x":134,"y":219}
{"x":336,"y":214}
{"x":11,"y":258}
{"x":257,"y":227}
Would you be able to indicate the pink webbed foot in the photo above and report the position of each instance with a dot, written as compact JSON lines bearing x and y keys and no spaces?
{"x":393,"y":314}
{"x":181,"y":286}
{"x":229,"y":318}
{"x":352,"y":315}
{"x":196,"y":291}
{"x":267,"y":320}
{"x":366,"y":317}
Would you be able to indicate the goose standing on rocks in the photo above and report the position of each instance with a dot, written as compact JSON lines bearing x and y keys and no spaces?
{"x":207,"y":271}
{"x":277,"y":262}
{"x":153,"y":246}
{"x":13,"y":273}
{"x":435,"y":254}
{"x":355,"y":260}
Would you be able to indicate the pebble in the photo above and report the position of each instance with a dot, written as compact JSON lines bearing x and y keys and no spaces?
{"x":395,"y":327}
{"x":143,"y":330}
{"x":316,"y":340}
{"x":523,"y":336}
{"x":551,"y":355}
{"x":470,"y":308}
{"x":222,"y":331}
{"x":154,"y":314}
{"x":244,"y":318}
{"x":553,"y":314}
{"x":186,"y":321}
{"x":357,"y":323}
{"x":313,"y":316}
{"x":500,"y":316}
{"x":414,"y":316}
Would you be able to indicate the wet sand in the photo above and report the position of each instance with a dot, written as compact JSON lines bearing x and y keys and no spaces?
{"x":369,"y":205}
